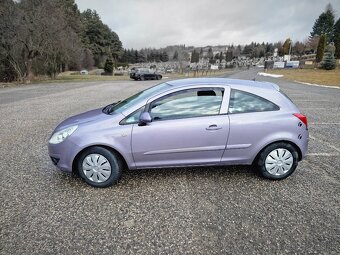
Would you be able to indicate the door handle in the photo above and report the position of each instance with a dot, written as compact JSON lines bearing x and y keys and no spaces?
{"x":213,"y":127}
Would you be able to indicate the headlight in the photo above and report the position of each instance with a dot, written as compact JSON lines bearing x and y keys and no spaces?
{"x":61,"y":135}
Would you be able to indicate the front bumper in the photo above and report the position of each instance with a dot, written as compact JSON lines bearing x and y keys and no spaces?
{"x":63,"y":154}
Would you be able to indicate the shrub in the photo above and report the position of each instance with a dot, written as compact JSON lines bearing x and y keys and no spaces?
{"x":108,"y":68}
{"x":328,"y":61}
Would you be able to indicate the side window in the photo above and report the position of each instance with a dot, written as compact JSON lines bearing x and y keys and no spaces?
{"x":242,"y":102}
{"x":133,"y":117}
{"x":187,"y":104}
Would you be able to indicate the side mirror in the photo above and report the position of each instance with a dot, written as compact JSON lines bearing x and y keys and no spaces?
{"x":144,"y":119}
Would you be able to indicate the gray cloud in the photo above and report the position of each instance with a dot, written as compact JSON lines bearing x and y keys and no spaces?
{"x":158,"y":23}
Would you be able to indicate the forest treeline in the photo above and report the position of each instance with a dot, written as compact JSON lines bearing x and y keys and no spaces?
{"x":45,"y":37}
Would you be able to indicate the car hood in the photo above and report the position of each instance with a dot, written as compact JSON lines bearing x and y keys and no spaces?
{"x":90,"y":116}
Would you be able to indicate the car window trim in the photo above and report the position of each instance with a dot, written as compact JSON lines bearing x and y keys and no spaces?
{"x":123,"y":121}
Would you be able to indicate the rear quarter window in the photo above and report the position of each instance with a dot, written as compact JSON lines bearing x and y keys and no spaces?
{"x":245,"y":102}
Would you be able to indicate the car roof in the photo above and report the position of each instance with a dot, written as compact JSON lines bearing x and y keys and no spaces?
{"x":223,"y":81}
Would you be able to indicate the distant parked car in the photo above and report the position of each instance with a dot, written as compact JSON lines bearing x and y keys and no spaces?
{"x":145,"y":74}
{"x":84,"y":72}
{"x":188,"y":122}
{"x":169,"y":70}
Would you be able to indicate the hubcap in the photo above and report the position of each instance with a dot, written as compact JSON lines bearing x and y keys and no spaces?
{"x":96,"y":168}
{"x":279,"y":161}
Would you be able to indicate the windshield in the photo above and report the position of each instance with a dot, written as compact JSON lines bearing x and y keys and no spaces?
{"x":135,"y":99}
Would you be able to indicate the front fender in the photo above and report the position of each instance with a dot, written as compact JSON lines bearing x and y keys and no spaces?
{"x":118,"y":138}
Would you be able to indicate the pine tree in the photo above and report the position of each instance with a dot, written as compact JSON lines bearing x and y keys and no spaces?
{"x":164,"y":56}
{"x":328,"y":61}
{"x":108,"y":68}
{"x":136,"y":57}
{"x":210,"y":54}
{"x":175,"y":57}
{"x":286,"y":46}
{"x":201,"y":53}
{"x":324,"y":24}
{"x":321,"y":48}
{"x":229,"y":56}
{"x":195,"y":57}
{"x":337,"y":38}
{"x":221,"y":56}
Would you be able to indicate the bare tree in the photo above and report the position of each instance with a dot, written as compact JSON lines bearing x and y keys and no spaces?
{"x":37,"y":30}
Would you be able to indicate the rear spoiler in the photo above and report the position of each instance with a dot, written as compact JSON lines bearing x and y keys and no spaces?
{"x":275,"y":86}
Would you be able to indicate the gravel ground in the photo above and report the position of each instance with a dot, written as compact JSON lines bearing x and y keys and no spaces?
{"x":170,"y":211}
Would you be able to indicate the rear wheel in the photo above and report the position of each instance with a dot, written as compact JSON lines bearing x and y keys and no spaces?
{"x":278,"y":161}
{"x":99,"y":167}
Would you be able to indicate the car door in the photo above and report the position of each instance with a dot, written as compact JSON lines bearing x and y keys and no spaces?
{"x":148,"y":75}
{"x":187,"y":128}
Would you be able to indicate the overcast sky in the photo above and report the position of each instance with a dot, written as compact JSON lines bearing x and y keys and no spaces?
{"x":158,"y":23}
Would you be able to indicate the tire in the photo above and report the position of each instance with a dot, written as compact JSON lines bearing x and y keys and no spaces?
{"x":277,"y":161}
{"x":105,"y":166}
{"x":160,"y":77}
{"x":157,"y":77}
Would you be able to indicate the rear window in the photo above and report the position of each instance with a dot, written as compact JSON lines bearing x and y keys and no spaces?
{"x":244,"y":102}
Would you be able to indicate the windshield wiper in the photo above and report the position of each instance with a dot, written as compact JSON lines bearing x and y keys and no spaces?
{"x":108,"y":109}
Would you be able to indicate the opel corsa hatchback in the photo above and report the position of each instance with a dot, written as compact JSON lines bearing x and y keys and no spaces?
{"x":190,"y":122}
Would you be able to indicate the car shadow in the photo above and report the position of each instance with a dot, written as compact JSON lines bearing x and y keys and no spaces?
{"x":166,"y":176}
{"x":203,"y":172}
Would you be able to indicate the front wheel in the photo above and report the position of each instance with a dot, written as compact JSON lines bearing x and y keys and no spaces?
{"x":277,"y":161}
{"x":99,"y":167}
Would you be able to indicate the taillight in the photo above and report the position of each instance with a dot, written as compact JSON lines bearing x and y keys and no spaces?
{"x":301,"y":117}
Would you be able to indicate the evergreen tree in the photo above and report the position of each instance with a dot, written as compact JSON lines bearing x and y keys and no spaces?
{"x":286,"y":46}
{"x":321,"y":48}
{"x":221,"y":56}
{"x":99,"y":38}
{"x":164,"y":56}
{"x":210,"y":54}
{"x":248,"y":50}
{"x":108,"y":68}
{"x":328,"y":61}
{"x":175,"y":56}
{"x":136,"y":57}
{"x":141,"y":56}
{"x":324,"y":24}
{"x":337,"y":38}
{"x":229,"y":56}
{"x":195,"y":57}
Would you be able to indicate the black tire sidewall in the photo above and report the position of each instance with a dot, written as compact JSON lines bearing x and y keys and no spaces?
{"x":115,"y":162}
{"x":263,"y":155}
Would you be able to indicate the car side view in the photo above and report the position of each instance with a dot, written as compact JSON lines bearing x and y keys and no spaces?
{"x":189,"y":122}
{"x":144,"y":74}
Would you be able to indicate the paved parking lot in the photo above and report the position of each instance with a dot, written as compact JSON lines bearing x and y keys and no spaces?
{"x":210,"y":210}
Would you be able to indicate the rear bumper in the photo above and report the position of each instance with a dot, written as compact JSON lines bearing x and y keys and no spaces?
{"x":304,"y":144}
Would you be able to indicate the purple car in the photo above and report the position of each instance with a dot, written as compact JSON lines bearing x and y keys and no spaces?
{"x":189,"y":122}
